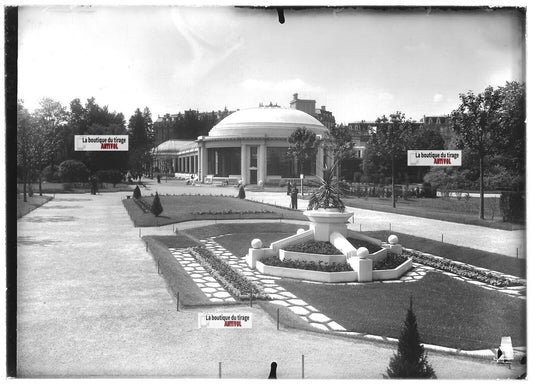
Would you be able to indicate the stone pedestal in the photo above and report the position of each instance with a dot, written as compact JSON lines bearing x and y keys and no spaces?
{"x":364,"y":273}
{"x":253,"y":255}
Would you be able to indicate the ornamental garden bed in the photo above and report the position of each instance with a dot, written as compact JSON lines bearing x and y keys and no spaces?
{"x":357,"y":243}
{"x":467,"y":271}
{"x":182,"y":208}
{"x":314,"y":247}
{"x":232,"y":280}
{"x":316,"y":252}
{"x":306,"y":274}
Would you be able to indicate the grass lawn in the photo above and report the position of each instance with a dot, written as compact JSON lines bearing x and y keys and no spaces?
{"x":76,"y":187}
{"x":449,"y":312}
{"x":493,"y":261}
{"x":236,"y":238}
{"x":451,"y":209}
{"x":23,"y":208}
{"x":186,"y":208}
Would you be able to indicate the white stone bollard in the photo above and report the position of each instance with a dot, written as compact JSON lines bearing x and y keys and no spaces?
{"x":254,"y":253}
{"x":393,"y":245}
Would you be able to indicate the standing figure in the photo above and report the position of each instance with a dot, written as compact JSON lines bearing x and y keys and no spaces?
{"x":294,"y":198}
{"x":158,"y":178}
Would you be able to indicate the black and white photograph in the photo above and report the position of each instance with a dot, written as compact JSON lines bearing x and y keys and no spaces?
{"x":257,"y":192}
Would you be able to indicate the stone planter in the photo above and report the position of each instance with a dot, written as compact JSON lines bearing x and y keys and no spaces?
{"x":310,"y":257}
{"x":304,"y":274}
{"x":326,"y":221}
{"x":392,"y":274}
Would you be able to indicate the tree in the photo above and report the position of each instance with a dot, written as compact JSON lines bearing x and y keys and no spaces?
{"x":156,"y":207}
{"x":477,"y":123}
{"x":513,"y":121}
{"x":388,"y":145}
{"x":303,"y":145}
{"x":341,"y":144}
{"x":410,"y":361}
{"x":51,"y":119}
{"x":25,"y":145}
{"x":140,"y":141}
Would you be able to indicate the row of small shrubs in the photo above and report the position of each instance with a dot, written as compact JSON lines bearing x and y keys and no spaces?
{"x":390,"y":262}
{"x":316,"y":247}
{"x":232,"y":280}
{"x":230,"y":211}
{"x":308,"y":265}
{"x":372,"y":248}
{"x":466,"y":271}
{"x":155,"y":208}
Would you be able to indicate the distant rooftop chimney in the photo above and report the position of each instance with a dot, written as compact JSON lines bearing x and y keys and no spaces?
{"x":323,"y":108}
{"x":295,"y":96}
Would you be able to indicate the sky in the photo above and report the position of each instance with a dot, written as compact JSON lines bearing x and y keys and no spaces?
{"x":361,"y":64}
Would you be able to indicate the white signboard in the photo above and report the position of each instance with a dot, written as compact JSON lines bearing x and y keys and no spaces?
{"x":224,"y":320}
{"x":434,"y":157}
{"x":101,"y":142}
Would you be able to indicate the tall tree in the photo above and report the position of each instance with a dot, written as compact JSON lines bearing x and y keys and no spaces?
{"x":303,"y":145}
{"x":410,"y":361}
{"x":513,"y":122}
{"x":140,"y":142}
{"x":341,"y":145}
{"x":25,"y":145}
{"x":50,"y":119}
{"x":387,"y":148}
{"x":477,"y":123}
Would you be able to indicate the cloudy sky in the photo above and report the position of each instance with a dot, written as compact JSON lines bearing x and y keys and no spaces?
{"x":361,"y":64}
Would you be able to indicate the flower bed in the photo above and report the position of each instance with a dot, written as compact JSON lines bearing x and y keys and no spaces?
{"x":357,"y":243}
{"x":314,"y":247}
{"x":142,"y":204}
{"x":232,"y":280}
{"x":306,"y":265}
{"x":390,"y":262}
{"x":229,"y":211}
{"x":464,"y":270}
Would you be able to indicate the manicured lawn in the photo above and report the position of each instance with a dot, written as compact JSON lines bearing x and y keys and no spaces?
{"x":236,"y":238}
{"x":23,"y":208}
{"x":451,"y":209}
{"x":186,"y":208}
{"x":493,"y":261}
{"x":449,"y":312}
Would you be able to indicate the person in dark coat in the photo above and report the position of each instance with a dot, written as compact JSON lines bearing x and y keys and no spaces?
{"x":294,"y":198}
{"x":273,"y":367}
{"x":289,"y":188}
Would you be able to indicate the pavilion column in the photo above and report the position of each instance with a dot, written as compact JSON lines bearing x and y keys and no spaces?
{"x":244,"y":164}
{"x":202,"y":169}
{"x":262,"y":163}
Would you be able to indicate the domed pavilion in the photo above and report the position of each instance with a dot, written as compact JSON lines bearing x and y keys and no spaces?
{"x":249,"y":145}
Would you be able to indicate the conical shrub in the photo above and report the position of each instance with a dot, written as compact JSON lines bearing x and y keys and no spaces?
{"x":156,"y":207}
{"x":137,"y":192}
{"x":410,"y":361}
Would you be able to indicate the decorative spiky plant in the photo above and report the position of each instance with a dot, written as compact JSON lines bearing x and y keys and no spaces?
{"x":329,"y":192}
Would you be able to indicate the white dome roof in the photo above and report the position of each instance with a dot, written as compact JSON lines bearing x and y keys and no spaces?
{"x":266,"y":121}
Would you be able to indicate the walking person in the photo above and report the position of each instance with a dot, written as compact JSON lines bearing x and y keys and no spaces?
{"x":294,"y":198}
